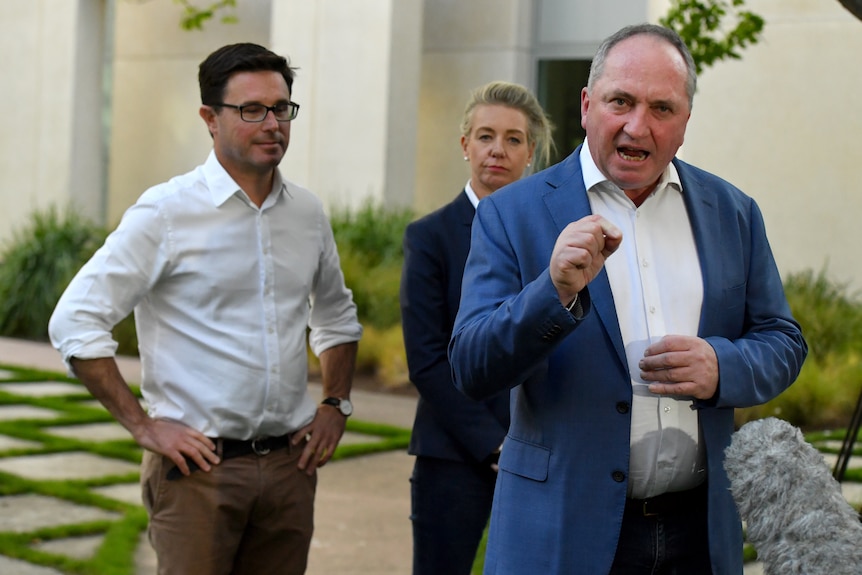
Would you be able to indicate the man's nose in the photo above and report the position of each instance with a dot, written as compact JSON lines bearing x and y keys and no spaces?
{"x":269,"y":122}
{"x":637,"y":123}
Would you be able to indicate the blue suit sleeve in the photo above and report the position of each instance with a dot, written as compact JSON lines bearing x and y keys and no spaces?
{"x":761,"y":362}
{"x":507,"y":324}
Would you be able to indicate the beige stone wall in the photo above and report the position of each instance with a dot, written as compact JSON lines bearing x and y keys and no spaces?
{"x":382,"y":84}
{"x":466,"y":44}
{"x":156,"y":132}
{"x":358,"y":87}
{"x":50,"y":104}
{"x":783,"y":124}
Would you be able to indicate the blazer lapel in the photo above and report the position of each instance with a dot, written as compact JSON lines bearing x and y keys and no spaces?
{"x":702,"y":207}
{"x":567,"y":202}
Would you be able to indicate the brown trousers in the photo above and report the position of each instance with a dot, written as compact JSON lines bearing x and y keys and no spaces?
{"x":249,"y":515}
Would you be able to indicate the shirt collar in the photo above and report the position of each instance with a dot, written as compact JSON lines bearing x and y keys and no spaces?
{"x":593,"y":176}
{"x":468,"y":189}
{"x":222,"y":186}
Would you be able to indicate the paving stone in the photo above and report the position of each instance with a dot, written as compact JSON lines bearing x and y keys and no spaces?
{"x":830,"y":459}
{"x":7,"y":442}
{"x":23,"y":513}
{"x":74,"y":465}
{"x":17,"y":567}
{"x":351,"y":438}
{"x":43,"y":388}
{"x":346,"y":531}
{"x":755,"y":568}
{"x":77,"y":547}
{"x":852,"y":492}
{"x":125,"y":492}
{"x":11,"y":412}
{"x":6,"y":374}
{"x":145,"y":558}
{"x":108,"y":431}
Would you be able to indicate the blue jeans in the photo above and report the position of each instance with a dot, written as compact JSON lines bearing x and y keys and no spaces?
{"x":669,"y":544}
{"x":451,"y":504}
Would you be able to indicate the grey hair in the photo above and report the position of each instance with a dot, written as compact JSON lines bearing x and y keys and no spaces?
{"x":515,"y":96}
{"x":666,"y":34}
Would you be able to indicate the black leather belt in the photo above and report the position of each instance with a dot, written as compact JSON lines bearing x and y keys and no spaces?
{"x":674,"y":503}
{"x":230,"y":448}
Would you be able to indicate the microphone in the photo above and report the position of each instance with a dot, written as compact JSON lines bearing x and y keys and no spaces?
{"x":796,"y":516}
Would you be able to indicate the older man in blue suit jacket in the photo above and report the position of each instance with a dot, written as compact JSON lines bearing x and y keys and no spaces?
{"x":630,"y":301}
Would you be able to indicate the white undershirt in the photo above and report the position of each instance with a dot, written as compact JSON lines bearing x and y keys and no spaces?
{"x":657,"y":285}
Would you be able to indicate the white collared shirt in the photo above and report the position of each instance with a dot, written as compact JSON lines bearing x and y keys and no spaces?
{"x":223,"y":293}
{"x":657,"y":286}
{"x":471,"y":195}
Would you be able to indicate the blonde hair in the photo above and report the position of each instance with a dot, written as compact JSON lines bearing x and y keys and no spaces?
{"x":515,"y":96}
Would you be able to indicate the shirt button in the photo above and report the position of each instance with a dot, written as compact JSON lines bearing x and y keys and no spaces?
{"x":667,"y":409}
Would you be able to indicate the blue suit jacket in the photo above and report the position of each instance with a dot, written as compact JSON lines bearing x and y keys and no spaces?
{"x":560,"y":494}
{"x":448,"y":425}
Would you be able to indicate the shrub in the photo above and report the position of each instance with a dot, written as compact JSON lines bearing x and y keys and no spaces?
{"x":369,"y":244}
{"x":830,"y":316}
{"x":372,"y":232}
{"x":38,"y":264}
{"x":825,"y":393}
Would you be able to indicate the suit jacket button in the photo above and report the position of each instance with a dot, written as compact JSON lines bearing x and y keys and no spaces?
{"x":622,"y":407}
{"x":618,"y":476}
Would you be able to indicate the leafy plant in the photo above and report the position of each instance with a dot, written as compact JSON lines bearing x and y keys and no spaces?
{"x":194,"y":18}
{"x":705,"y":26}
{"x":830,"y":315}
{"x":373,"y":232}
{"x":38,"y":263}
{"x":369,"y":244}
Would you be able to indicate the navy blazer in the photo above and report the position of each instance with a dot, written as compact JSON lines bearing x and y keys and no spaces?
{"x":561,"y":490}
{"x":448,"y":424}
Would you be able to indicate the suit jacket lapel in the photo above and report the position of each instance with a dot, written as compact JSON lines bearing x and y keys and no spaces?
{"x":703,"y":215}
{"x":566,"y":200}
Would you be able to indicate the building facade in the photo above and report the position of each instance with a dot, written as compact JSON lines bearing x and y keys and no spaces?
{"x":101,"y":101}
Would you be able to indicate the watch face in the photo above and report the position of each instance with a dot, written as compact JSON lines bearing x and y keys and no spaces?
{"x":342,"y":405}
{"x":346,"y":407}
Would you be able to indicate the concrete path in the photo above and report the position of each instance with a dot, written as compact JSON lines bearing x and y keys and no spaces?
{"x":362,"y":524}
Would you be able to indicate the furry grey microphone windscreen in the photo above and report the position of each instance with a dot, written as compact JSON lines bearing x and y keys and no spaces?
{"x":796,"y":516}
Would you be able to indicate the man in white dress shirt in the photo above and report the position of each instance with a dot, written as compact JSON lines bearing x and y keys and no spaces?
{"x":227,"y":268}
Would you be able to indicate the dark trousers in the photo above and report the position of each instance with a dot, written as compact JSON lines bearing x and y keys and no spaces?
{"x":450,"y":504}
{"x":674,"y":543}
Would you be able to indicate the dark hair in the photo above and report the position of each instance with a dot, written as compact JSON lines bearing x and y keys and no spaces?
{"x":666,"y":34}
{"x":218,"y":67}
{"x":519,"y":98}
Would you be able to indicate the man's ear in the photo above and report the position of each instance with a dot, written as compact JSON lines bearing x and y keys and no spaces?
{"x":209,"y":117}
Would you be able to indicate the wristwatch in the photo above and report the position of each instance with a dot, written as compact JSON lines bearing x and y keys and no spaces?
{"x":342,"y":405}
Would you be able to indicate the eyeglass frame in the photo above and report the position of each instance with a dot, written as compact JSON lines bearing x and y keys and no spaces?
{"x":291,"y":106}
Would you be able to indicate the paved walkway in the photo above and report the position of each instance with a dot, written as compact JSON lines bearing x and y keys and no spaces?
{"x":362,"y":507}
{"x":362,"y":523}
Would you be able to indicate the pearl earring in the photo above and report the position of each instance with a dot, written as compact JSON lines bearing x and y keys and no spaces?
{"x":465,"y":158}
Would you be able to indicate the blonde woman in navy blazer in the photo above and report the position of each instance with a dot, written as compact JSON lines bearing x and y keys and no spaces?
{"x":542,"y":314}
{"x":456,"y":440}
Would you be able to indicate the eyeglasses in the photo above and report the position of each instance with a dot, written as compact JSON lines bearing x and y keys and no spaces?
{"x":257,"y":112}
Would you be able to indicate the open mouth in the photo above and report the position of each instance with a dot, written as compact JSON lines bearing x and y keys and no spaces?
{"x":632,"y":155}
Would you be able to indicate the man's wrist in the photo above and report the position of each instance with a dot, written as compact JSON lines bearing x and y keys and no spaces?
{"x":575,"y":308}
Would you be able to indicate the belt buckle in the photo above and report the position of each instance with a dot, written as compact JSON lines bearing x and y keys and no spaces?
{"x":258,"y":448}
{"x":646,"y":511}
